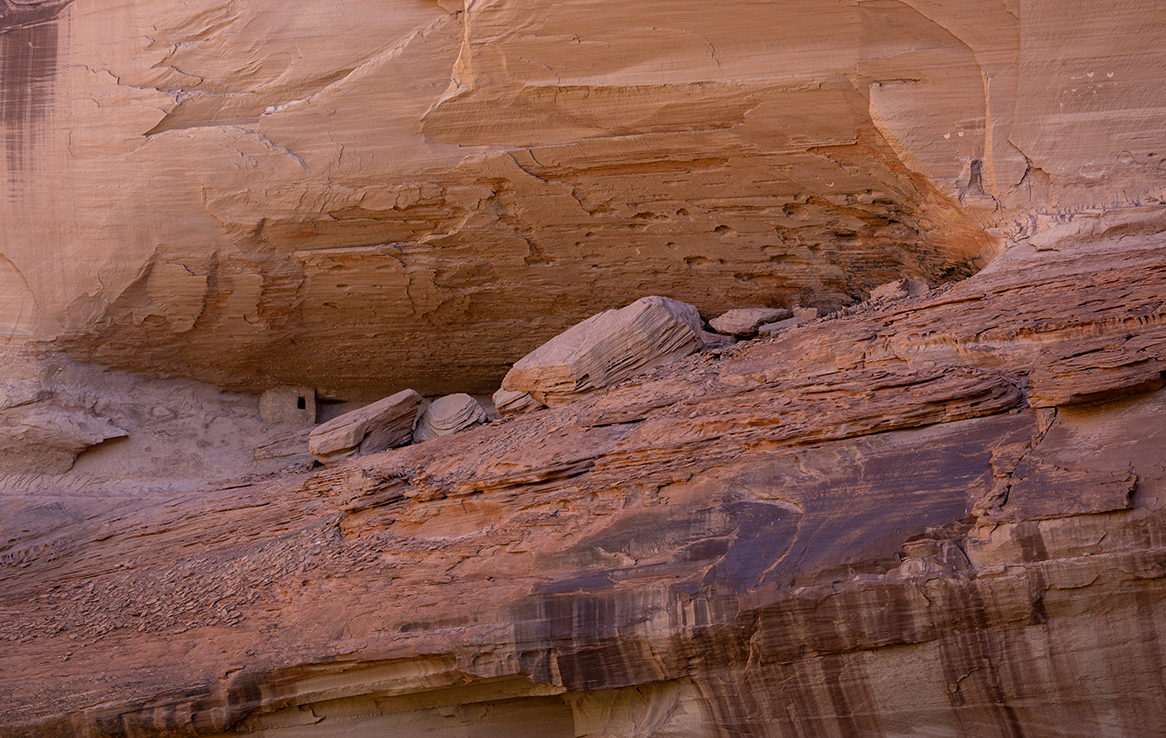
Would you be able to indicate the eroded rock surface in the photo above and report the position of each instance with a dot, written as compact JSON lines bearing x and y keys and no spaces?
{"x":384,"y":424}
{"x":271,"y":193}
{"x":864,"y":526}
{"x":448,"y":415}
{"x":44,"y":437}
{"x":605,"y":349}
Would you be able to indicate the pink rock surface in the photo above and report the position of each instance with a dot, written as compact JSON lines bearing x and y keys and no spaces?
{"x":940,"y":515}
{"x":867,"y":502}
{"x":202,"y":188}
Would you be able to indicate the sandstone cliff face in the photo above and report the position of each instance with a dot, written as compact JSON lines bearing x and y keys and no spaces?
{"x":938,"y":515}
{"x":931,"y":514}
{"x":269,"y":192}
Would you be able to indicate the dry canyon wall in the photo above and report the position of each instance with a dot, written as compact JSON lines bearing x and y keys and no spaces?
{"x":930,"y":514}
{"x":268,"y":192}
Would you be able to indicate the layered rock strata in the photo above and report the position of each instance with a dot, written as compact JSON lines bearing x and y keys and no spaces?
{"x":605,"y":349}
{"x":271,"y":193}
{"x":448,"y":415}
{"x":939,"y":513}
{"x":384,"y":424}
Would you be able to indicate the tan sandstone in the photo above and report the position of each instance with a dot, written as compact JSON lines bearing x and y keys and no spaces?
{"x":382,"y":425}
{"x":448,"y":415}
{"x":744,"y":322}
{"x":936,"y":512}
{"x":605,"y":349}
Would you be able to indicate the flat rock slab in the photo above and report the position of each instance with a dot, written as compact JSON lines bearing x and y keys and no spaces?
{"x":745,"y":321}
{"x":772,"y":329}
{"x":448,"y":415}
{"x":606,"y":349}
{"x":384,"y":424}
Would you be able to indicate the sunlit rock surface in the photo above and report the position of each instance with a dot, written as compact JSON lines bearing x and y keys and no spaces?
{"x":915,"y":513}
{"x":932,"y":513}
{"x":273,"y":193}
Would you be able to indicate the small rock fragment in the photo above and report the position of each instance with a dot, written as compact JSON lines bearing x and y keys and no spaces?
{"x":385,"y":424}
{"x":606,"y":349}
{"x":744,"y":322}
{"x":805,"y":313}
{"x":715,"y":340}
{"x":449,"y":415}
{"x":515,"y":403}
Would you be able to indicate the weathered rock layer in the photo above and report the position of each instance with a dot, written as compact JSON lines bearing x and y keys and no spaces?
{"x":274,"y":193}
{"x":940,"y":513}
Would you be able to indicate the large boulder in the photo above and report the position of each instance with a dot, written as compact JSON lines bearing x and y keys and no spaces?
{"x":449,"y":415}
{"x":384,"y":424}
{"x":899,"y":289}
{"x":606,"y":349}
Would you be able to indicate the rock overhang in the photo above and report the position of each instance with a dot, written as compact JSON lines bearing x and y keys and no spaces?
{"x":248,"y":217}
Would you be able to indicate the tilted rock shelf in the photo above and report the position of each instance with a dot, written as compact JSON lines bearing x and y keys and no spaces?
{"x":934,"y":512}
{"x":771,"y":538}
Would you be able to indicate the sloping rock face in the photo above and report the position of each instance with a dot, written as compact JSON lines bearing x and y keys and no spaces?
{"x":930,"y":514}
{"x":267,"y":193}
{"x":937,"y":515}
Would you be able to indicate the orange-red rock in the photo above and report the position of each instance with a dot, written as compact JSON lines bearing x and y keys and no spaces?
{"x":934,"y":513}
{"x":772,"y":538}
{"x":224,"y":191}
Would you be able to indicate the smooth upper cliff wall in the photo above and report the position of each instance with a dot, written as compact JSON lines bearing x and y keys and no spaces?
{"x":357,"y":196}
